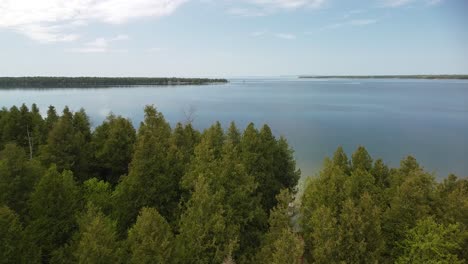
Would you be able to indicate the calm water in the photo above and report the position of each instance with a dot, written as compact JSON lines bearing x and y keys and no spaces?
{"x":391,"y":118}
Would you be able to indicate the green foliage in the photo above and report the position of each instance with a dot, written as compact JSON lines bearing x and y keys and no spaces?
{"x":18,"y":175}
{"x":68,"y":144}
{"x":363,"y":215}
{"x":12,"y":244}
{"x":98,"y":193}
{"x":150,"y":240}
{"x":429,"y":242}
{"x":112,"y":143}
{"x":149,"y":182}
{"x":281,"y":244}
{"x":361,"y":160}
{"x":204,"y":234}
{"x":53,"y":204}
{"x":97,"y":241}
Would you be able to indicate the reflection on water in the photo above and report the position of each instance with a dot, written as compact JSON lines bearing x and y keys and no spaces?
{"x":392,"y":118}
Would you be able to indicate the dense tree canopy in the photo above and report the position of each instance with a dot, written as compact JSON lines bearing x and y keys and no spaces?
{"x":71,"y":193}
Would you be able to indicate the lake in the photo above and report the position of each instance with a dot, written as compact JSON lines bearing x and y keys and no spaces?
{"x":392,"y":118}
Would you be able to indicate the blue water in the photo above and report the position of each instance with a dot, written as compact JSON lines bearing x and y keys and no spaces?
{"x":391,"y":118}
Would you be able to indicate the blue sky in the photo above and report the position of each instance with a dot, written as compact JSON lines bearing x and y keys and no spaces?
{"x":230,"y":38}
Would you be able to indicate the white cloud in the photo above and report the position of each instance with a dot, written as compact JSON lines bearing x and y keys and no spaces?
{"x":257,"y":8}
{"x":285,"y":36}
{"x":400,"y":3}
{"x":288,"y":4}
{"x":50,"y":20}
{"x":100,"y":45}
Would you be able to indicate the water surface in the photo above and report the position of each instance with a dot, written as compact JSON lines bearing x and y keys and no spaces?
{"x":392,"y":118}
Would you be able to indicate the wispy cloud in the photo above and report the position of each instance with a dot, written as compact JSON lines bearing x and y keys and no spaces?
{"x":287,"y":36}
{"x":257,"y":8}
{"x":288,"y":4}
{"x":100,"y":45}
{"x":52,"y":20}
{"x":400,"y":3}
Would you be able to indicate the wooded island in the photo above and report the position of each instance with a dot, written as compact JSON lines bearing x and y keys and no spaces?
{"x":90,"y":82}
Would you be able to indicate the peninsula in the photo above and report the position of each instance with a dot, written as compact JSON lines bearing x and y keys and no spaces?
{"x":90,"y":82}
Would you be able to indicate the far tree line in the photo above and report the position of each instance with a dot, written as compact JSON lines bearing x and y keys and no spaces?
{"x":90,"y":82}
{"x":162,"y":194}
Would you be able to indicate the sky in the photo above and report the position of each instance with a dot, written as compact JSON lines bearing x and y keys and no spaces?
{"x":232,"y":38}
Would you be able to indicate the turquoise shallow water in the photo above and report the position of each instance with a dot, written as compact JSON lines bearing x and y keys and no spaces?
{"x":391,"y":118}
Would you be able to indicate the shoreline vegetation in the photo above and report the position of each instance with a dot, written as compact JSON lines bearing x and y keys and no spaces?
{"x":173,"y":194}
{"x":425,"y":77}
{"x":90,"y":82}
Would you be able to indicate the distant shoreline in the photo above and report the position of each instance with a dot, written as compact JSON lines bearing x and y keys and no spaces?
{"x":429,"y":77}
{"x":93,"y":82}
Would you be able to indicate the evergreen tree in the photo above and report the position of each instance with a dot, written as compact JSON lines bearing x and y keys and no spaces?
{"x":208,"y":154}
{"x":204,"y":236}
{"x":149,"y":182}
{"x":51,"y":118}
{"x":341,"y":160}
{"x":18,"y":176}
{"x":97,"y":239}
{"x":322,"y":239}
{"x":54,"y":204}
{"x":431,"y":243}
{"x":11,"y":126}
{"x":11,"y":237}
{"x":361,"y":159}
{"x":281,"y":244}
{"x":151,"y":239}
{"x":381,"y":174}
{"x":361,"y":240}
{"x":411,"y":200}
{"x":68,"y":144}
{"x":99,"y":193}
{"x":113,"y":143}
{"x":233,"y":134}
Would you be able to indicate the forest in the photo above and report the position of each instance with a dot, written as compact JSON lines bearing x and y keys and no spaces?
{"x":71,"y":192}
{"x":90,"y":82}
{"x":419,"y":76}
